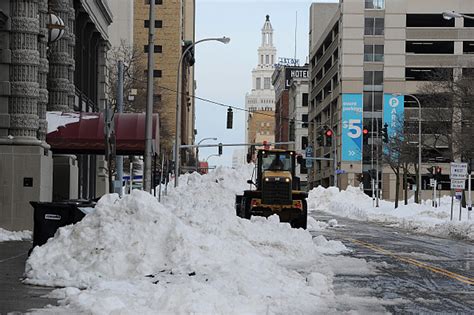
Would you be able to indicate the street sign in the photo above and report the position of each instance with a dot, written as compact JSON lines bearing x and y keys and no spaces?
{"x":309,"y":154}
{"x":458,"y":194}
{"x":458,"y":183}
{"x":458,"y":171}
{"x":432,"y":182}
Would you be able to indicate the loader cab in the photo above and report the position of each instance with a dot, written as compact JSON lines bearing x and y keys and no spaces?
{"x":275,"y":162}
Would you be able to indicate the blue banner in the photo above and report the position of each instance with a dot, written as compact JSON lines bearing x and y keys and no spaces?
{"x":352,"y":108}
{"x":393,"y":113}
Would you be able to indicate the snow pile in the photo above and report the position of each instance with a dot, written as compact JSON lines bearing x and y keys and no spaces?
{"x":423,"y":218}
{"x":188,"y":254}
{"x":6,"y":235}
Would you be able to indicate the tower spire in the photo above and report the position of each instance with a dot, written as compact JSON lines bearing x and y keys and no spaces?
{"x":266,"y":51}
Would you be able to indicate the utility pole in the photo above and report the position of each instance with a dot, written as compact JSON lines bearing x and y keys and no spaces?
{"x":119,"y":159}
{"x":149,"y":104}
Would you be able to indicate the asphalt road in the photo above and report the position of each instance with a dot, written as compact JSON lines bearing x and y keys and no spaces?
{"x":415,"y":273}
{"x":16,"y":297}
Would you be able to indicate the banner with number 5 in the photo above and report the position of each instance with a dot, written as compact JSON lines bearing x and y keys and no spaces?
{"x":352,"y":109}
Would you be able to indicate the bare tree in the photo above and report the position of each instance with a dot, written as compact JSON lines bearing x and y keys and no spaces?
{"x":448,"y":100}
{"x":134,"y":79}
{"x":399,"y":153}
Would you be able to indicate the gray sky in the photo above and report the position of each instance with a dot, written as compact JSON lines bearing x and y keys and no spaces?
{"x":223,"y":72}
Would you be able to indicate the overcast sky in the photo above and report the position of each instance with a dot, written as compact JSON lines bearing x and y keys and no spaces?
{"x":223,"y":72}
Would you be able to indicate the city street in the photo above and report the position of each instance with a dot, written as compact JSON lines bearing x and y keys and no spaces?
{"x":419,"y":273}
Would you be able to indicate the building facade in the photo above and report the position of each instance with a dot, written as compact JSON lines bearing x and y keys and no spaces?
{"x":260,"y":102}
{"x":174,"y":30}
{"x":366,"y":59}
{"x":298,"y":119}
{"x":38,"y":75}
{"x":282,"y":79}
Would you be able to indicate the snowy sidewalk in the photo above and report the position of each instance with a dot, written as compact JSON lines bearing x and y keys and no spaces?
{"x":14,"y":295}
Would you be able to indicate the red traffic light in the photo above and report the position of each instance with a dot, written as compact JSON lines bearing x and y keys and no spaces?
{"x":365,"y":131}
{"x":438,"y":170}
{"x":329,"y":133}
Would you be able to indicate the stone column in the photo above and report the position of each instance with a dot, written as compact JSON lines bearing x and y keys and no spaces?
{"x":59,"y":85}
{"x":71,"y":52}
{"x":43,"y":69}
{"x":23,"y":107}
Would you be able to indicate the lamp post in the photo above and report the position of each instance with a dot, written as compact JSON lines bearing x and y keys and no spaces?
{"x":211,"y":156}
{"x":418,"y":184}
{"x":177,"y":140}
{"x":448,"y":15}
{"x":197,"y":151}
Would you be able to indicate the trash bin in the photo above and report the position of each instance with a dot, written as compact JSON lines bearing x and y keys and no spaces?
{"x":50,"y":216}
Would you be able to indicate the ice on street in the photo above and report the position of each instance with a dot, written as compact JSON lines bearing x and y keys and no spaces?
{"x":188,"y":254}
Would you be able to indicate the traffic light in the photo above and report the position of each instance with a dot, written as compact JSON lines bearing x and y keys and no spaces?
{"x":320,"y":139}
{"x":230,"y":118}
{"x":328,"y":133}
{"x":438,"y":173}
{"x":430,"y":170}
{"x":385,"y":133}
{"x":365,"y":135}
{"x":219,"y":151}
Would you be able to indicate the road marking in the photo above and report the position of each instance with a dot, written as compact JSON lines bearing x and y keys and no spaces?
{"x":417,"y":263}
{"x":13,"y":257}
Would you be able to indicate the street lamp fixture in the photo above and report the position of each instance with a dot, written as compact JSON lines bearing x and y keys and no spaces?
{"x":177,"y":140}
{"x":197,"y":150}
{"x":419,"y":141}
{"x":448,"y":15}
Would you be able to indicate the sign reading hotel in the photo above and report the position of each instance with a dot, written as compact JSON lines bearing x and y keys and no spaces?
{"x":393,"y":112}
{"x":352,"y":109}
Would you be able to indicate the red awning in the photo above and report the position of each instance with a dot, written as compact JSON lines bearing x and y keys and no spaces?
{"x":83,"y":133}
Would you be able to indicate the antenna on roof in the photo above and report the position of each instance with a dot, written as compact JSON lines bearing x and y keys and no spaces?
{"x":296,"y":28}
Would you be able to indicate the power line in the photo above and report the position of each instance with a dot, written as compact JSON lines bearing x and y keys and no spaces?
{"x":232,"y":106}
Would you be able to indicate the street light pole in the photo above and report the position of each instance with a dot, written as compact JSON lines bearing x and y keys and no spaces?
{"x":197,"y":151}
{"x":418,"y":184}
{"x":177,"y":140}
{"x":419,"y":145}
{"x":149,"y":104}
{"x":448,"y":15}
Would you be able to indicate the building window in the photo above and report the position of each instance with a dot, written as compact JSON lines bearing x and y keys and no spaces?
{"x":156,"y":1}
{"x":158,"y":23}
{"x":428,"y":20}
{"x":156,"y":73}
{"x":374,"y":26}
{"x":375,"y":4}
{"x":373,"y":53}
{"x":266,"y":83}
{"x":273,"y":61}
{"x":304,"y":118}
{"x":430,"y":47}
{"x":267,"y":59}
{"x":305,"y":99}
{"x":468,"y":48}
{"x":258,"y":84}
{"x":156,"y":48}
{"x":373,"y":80}
{"x":428,"y":74}
{"x":469,"y":22}
{"x":373,"y":99}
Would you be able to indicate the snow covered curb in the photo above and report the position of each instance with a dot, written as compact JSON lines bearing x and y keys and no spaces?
{"x":188,"y":254}
{"x":14,"y":236}
{"x":353,"y":203}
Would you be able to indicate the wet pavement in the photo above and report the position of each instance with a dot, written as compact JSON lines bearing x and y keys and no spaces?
{"x":16,"y":297}
{"x":415,"y":273}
